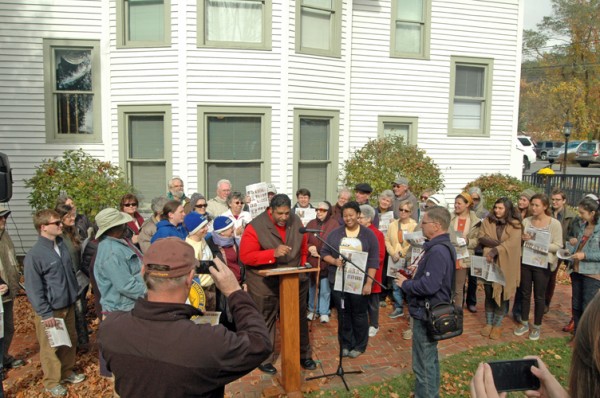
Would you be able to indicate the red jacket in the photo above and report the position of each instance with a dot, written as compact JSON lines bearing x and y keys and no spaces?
{"x":378,"y":275}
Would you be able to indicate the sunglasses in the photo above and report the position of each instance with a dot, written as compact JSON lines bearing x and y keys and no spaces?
{"x":237,"y":203}
{"x":201,"y":206}
{"x":321,"y":210}
{"x":396,"y":186}
{"x":57,"y":223}
{"x":476,"y":199}
{"x":404,"y":211}
{"x":130,"y":204}
{"x":424,"y":197}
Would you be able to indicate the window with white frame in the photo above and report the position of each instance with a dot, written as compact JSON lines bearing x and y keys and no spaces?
{"x":235,"y":24}
{"x":143,"y":23}
{"x":318,"y":27}
{"x":233,"y":144}
{"x":72,"y":90}
{"x":316,"y":135}
{"x":470,"y":96}
{"x":411,"y":24}
{"x":405,"y":127}
{"x":145,"y":148}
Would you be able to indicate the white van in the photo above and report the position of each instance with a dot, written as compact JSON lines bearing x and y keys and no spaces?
{"x":526,"y":147}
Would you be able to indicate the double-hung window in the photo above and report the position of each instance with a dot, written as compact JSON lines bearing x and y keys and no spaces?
{"x":318,"y":27}
{"x":234,"y":24}
{"x":405,"y":127}
{"x":233,"y":144}
{"x":145,"y":148}
{"x":470,"y":96}
{"x":316,"y":135}
{"x":72,"y":90}
{"x":143,"y":23}
{"x":411,"y":25}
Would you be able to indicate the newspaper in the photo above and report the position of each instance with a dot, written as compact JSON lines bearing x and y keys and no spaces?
{"x":535,"y":250}
{"x":355,"y":279}
{"x":394,"y":266}
{"x":208,"y":317}
{"x":485,"y":270}
{"x":306,"y":214}
{"x":385,"y":220}
{"x":415,"y":238}
{"x":259,"y":198}
{"x":461,"y":249}
{"x":414,"y":254}
{"x":58,"y":335}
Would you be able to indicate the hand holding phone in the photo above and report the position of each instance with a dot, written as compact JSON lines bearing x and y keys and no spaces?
{"x":514,"y":375}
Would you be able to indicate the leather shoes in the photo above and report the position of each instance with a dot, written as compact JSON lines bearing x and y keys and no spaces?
{"x":268,"y":368}
{"x":308,"y":364}
{"x":472,"y":308}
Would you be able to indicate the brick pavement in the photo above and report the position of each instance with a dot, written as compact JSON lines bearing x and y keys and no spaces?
{"x":387,"y":355}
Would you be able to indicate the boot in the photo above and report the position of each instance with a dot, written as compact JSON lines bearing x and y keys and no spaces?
{"x":496,"y":333}
{"x":487,"y":329}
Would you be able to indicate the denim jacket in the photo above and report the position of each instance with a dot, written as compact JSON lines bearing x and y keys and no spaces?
{"x":591,"y":264}
{"x":118,"y":275}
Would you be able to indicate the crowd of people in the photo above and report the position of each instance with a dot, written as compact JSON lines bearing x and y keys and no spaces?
{"x":141,"y":272}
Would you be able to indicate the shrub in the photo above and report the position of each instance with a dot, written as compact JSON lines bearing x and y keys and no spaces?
{"x":380,"y":160}
{"x":494,"y":186}
{"x":93,"y":184}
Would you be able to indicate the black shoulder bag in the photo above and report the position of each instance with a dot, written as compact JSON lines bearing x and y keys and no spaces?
{"x":445,"y":320}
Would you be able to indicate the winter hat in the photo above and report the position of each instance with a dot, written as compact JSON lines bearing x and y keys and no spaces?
{"x":173,"y":253}
{"x":528,"y":193}
{"x":109,"y":218}
{"x":194,"y":222}
{"x":222,"y":223}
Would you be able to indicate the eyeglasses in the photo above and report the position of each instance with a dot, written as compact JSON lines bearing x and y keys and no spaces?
{"x":201,"y":206}
{"x":475,"y":199}
{"x":396,"y":185}
{"x":130,"y":204}
{"x":404,"y":211}
{"x":429,"y":222}
{"x":237,"y":203}
{"x":57,"y":223}
{"x":321,"y":210}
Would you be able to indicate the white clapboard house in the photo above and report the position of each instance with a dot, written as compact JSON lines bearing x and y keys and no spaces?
{"x":281,"y":91}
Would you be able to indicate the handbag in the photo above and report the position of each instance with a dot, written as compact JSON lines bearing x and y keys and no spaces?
{"x":445,"y":320}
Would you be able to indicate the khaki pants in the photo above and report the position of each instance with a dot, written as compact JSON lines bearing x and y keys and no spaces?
{"x":57,"y":362}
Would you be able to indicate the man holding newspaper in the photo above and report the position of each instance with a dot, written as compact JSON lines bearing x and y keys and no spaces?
{"x":52,"y":290}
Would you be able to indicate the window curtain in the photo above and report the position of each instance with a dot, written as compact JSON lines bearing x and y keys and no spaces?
{"x":234,"y":21}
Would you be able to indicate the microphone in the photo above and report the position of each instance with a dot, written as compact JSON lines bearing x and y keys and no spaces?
{"x":312,"y":231}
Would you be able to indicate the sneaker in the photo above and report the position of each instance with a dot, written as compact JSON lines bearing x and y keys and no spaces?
{"x":407,"y":334}
{"x":345,"y":352}
{"x":354,"y":353}
{"x":13,"y":363}
{"x":382,"y":304}
{"x":373,"y":331}
{"x":521,"y":330}
{"x":310,"y":316}
{"x":397,"y":313}
{"x":74,"y":378}
{"x":534,"y":334}
{"x":57,"y":391}
{"x":324,"y":318}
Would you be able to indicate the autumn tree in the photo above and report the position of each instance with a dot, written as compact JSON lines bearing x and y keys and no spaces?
{"x":562,"y":82}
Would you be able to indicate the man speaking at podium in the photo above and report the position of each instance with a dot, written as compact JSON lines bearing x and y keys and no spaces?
{"x":271,"y":240}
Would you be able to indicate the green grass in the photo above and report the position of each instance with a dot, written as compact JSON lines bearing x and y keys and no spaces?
{"x":457,"y":370}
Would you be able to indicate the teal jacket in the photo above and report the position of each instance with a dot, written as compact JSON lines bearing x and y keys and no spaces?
{"x":118,"y":275}
{"x":591,"y":264}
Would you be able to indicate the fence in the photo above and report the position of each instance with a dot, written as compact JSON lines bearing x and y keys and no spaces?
{"x":574,"y":186}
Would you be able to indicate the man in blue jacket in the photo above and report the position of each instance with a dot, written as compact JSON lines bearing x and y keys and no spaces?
{"x":433,"y":282}
{"x":51,"y":288}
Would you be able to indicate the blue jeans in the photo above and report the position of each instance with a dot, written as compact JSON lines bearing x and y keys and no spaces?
{"x":324,"y":296}
{"x":425,"y":362}
{"x":584,"y":289}
{"x":398,"y":297}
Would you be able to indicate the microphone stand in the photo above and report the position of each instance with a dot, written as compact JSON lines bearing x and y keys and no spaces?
{"x":340,"y":370}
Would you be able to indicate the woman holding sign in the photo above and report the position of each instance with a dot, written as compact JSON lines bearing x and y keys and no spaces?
{"x":500,"y":237}
{"x":542,"y":237}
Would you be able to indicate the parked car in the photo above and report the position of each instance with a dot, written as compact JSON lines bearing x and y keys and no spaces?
{"x":525,"y":146}
{"x":543,"y":147}
{"x":559,"y":153}
{"x":588,"y":152}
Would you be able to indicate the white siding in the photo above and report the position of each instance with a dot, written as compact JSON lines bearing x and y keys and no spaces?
{"x":362,"y":84}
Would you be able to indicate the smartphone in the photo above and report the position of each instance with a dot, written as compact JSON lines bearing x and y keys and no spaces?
{"x":514,"y":375}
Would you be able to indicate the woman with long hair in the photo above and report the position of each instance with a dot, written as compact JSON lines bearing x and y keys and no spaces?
{"x":500,"y":237}
{"x":129,"y":204}
{"x":586,"y":259}
{"x":540,"y":222}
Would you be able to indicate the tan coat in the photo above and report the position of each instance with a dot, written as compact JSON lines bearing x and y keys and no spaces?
{"x":509,"y":258}
{"x":471,"y":236}
{"x":392,"y":243}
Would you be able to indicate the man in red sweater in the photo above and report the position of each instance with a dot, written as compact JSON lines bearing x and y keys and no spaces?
{"x":272,"y":240}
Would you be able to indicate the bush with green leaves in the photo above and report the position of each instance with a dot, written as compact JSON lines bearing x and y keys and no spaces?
{"x":380,"y":160}
{"x":494,"y":186}
{"x":92,"y":183}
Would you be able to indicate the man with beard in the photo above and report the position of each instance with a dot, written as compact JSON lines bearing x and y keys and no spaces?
{"x":176,"y":191}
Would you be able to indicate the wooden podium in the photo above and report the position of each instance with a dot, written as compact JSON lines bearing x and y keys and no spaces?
{"x":289,"y":323}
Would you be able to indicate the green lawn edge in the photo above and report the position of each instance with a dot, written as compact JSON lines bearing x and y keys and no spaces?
{"x":457,"y":370}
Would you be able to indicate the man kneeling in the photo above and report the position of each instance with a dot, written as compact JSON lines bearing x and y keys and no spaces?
{"x":157,"y":351}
